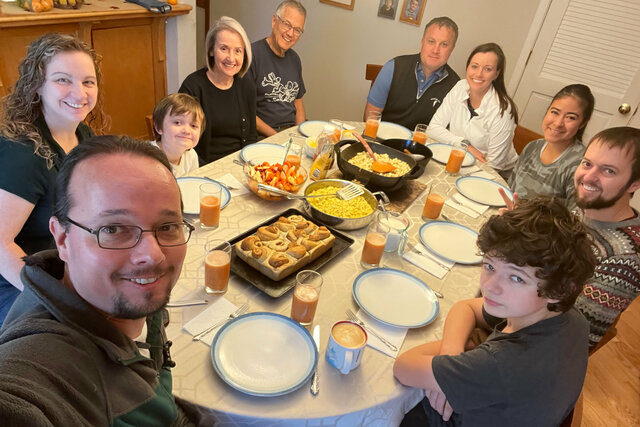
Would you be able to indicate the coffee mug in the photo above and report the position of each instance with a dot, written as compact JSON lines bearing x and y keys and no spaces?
{"x":347,"y":341}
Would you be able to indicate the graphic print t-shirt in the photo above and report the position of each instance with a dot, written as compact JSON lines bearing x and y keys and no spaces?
{"x":278,"y":84}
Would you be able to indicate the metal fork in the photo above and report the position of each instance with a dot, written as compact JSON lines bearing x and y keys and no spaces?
{"x":352,"y":316}
{"x":233,"y":315}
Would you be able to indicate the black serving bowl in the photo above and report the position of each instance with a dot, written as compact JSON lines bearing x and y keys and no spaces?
{"x":395,"y":148}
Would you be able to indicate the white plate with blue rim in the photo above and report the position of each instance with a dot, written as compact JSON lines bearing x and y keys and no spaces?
{"x":263,"y":152}
{"x":312,"y":127}
{"x":451,"y":241}
{"x":264,"y":354}
{"x":441,"y":154}
{"x":388,"y":130}
{"x":482,"y":190}
{"x":395,"y":298}
{"x":190,"y":190}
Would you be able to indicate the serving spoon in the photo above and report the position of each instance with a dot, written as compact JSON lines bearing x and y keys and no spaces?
{"x":377,"y":166}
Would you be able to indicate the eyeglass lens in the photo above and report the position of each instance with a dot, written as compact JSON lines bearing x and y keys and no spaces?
{"x":127,"y":236}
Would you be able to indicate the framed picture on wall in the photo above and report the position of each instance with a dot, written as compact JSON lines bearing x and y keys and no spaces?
{"x":345,"y":4}
{"x":388,"y":8}
{"x":412,"y":11}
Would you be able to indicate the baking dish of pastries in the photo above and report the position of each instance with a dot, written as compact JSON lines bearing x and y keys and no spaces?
{"x":284,"y":246}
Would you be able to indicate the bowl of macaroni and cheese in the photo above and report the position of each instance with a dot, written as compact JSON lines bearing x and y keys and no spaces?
{"x":354,"y":163}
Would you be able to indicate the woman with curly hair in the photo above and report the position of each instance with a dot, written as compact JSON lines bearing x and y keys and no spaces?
{"x":56,"y":91}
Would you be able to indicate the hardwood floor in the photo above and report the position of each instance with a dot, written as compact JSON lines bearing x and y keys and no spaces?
{"x":612,"y":386}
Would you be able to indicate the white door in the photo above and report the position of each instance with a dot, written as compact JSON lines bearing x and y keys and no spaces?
{"x":594,"y":42}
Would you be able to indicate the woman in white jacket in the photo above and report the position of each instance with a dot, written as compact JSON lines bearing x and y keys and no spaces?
{"x":479,"y":111}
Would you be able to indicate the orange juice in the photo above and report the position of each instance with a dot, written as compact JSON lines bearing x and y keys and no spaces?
{"x":371,"y":128}
{"x":455,"y":161}
{"x":373,"y":248}
{"x":304,"y":304}
{"x":433,"y":206}
{"x":216,"y":271}
{"x":420,"y":137}
{"x":210,"y":211}
{"x":293,"y":159}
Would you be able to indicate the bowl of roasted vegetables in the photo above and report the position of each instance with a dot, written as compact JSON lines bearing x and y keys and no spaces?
{"x":284,"y":176}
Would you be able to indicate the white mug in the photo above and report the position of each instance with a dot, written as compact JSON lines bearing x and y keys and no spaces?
{"x":347,"y":341}
{"x":398,"y":225}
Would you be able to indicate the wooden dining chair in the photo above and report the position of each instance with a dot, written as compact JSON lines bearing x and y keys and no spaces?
{"x":608,"y":336}
{"x":574,"y":419}
{"x":149,"y":120}
{"x":371,"y":72}
{"x":522,"y":137}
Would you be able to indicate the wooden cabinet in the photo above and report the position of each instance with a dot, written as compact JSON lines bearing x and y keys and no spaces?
{"x":130,"y":39}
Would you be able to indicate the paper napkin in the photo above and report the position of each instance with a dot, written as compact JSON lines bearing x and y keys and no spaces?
{"x":431,"y":263}
{"x":468,"y":203}
{"x":392,"y":334}
{"x":469,"y":170}
{"x":219,"y":309}
{"x":455,"y":205}
{"x":231,"y":182}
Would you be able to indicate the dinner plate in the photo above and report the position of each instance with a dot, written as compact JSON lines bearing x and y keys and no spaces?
{"x":395,"y":298}
{"x":388,"y":130}
{"x":263,"y":152}
{"x":312,"y":127}
{"x":482,"y":190}
{"x":441,"y":154}
{"x":452,"y":241}
{"x":264,"y":354}
{"x":190,"y":190}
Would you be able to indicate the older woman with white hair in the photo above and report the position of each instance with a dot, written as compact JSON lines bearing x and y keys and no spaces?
{"x":227,"y":97}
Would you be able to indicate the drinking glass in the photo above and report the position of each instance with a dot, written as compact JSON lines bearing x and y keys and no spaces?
{"x":432,"y":206}
{"x":372,"y":124}
{"x":458,"y":152}
{"x":305,"y":296}
{"x":217,"y":264}
{"x":420,"y":133}
{"x":210,"y":199}
{"x":294,"y":156}
{"x":374,"y":244}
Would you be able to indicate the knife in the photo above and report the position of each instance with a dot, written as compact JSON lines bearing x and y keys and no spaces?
{"x":315,"y":386}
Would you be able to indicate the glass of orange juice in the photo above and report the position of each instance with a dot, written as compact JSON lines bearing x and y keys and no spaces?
{"x":210,"y":199}
{"x":374,"y":243}
{"x":372,"y":124}
{"x":305,"y":296}
{"x":432,"y":206}
{"x":420,"y":133}
{"x":294,"y":156}
{"x":217,"y":264}
{"x":456,"y":157}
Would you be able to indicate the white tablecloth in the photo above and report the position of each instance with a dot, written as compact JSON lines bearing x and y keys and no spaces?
{"x":369,"y":395}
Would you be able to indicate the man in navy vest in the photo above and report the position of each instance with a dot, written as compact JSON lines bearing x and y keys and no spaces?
{"x":410,"y":88}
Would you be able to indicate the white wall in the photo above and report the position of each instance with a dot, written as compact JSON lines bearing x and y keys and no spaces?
{"x":337,"y":43}
{"x":180,"y":38}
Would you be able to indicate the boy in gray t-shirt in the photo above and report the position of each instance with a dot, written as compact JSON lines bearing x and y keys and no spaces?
{"x":530,"y":370}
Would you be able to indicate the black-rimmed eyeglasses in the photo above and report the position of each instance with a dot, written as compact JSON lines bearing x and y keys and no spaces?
{"x":288,"y":27}
{"x":119,"y":236}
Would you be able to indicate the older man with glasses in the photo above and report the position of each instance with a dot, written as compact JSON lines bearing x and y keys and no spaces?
{"x":84,"y":344}
{"x":276,"y":70}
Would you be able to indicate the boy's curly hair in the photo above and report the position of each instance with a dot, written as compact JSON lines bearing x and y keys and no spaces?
{"x":540,"y":232}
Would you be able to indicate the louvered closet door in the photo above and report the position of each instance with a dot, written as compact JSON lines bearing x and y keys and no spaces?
{"x":594,"y":42}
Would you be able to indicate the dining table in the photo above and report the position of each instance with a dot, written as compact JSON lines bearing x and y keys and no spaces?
{"x":368,"y":395}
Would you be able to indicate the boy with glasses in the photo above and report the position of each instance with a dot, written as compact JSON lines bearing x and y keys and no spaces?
{"x":84,"y":344}
{"x":276,"y":70}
